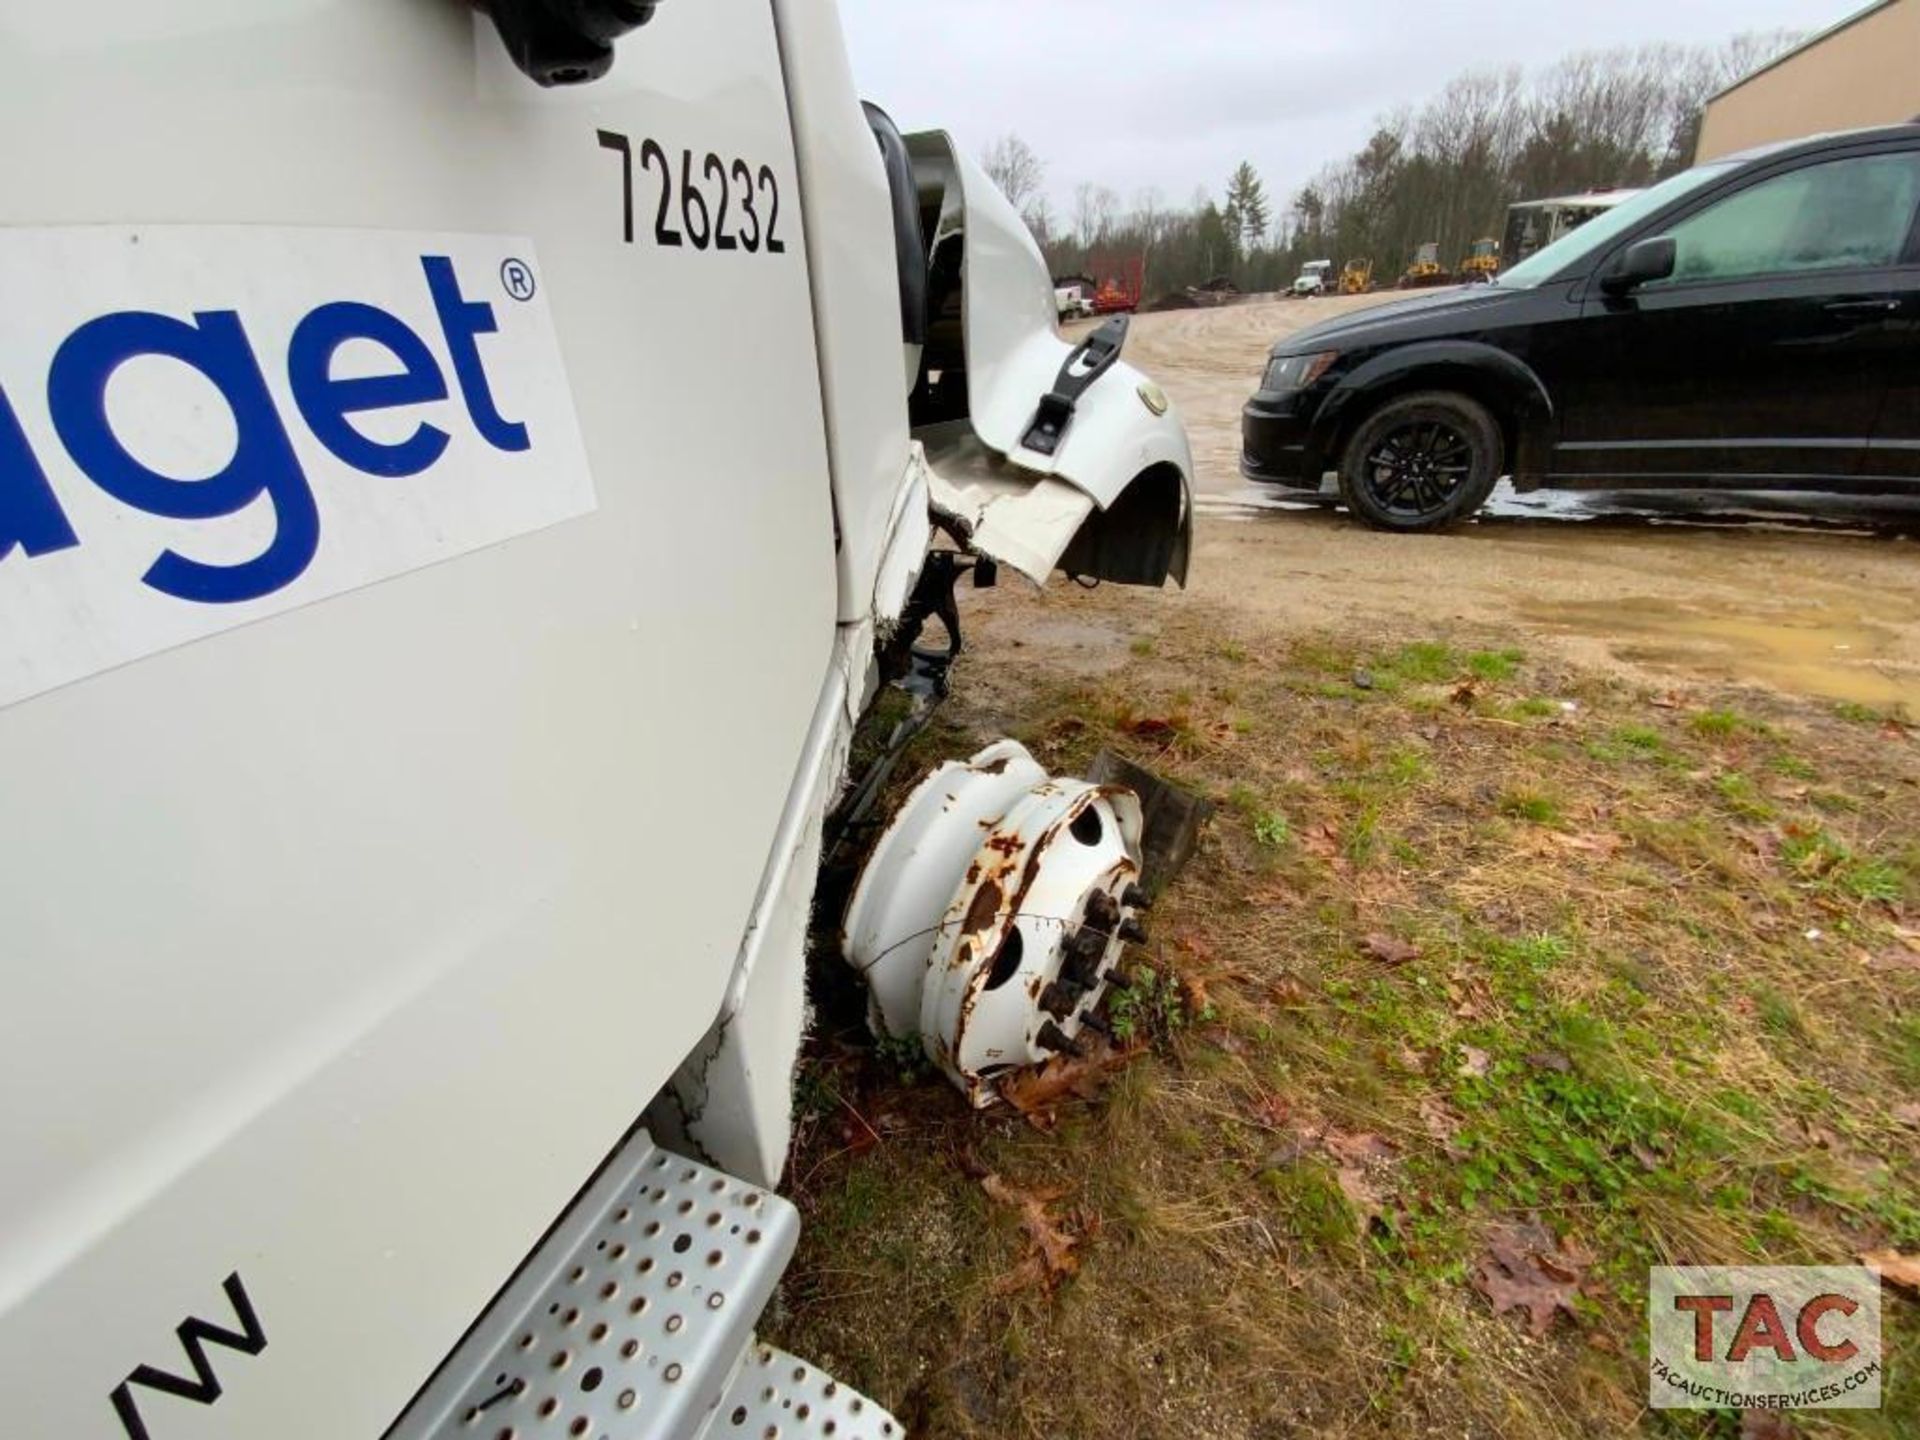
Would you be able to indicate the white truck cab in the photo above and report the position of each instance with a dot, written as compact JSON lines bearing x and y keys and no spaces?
{"x":463,"y":476}
{"x":1313,"y":278}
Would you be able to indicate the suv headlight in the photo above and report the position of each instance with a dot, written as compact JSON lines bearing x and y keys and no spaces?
{"x":1296,"y":372}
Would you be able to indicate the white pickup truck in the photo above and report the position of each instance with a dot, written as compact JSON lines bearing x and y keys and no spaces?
{"x":464,"y":473}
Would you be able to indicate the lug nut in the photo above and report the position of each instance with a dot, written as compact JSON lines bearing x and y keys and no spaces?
{"x":1134,"y":898}
{"x":1102,"y":910}
{"x":1057,"y":1040}
{"x":1087,"y":944}
{"x":1081,"y":972}
{"x":1059,"y":998}
{"x":1132,"y":931}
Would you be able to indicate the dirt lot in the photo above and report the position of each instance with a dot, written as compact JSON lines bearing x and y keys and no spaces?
{"x":1813,"y":595}
{"x":1560,"y":917}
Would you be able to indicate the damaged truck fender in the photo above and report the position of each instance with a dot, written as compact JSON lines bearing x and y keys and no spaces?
{"x":1048,"y":467}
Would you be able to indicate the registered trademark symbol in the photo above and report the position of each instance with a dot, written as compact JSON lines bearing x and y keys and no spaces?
{"x":517,"y":277}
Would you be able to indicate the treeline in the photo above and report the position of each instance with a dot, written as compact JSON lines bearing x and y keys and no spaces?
{"x":1446,"y":172}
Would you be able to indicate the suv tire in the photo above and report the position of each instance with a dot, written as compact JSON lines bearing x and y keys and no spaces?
{"x":1421,"y":462}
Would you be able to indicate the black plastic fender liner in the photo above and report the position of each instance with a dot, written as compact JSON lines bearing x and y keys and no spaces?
{"x":909,"y":238}
{"x":565,"y":42}
{"x":1145,"y":537}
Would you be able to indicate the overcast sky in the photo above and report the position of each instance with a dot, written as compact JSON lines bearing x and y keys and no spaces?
{"x":1174,"y":93}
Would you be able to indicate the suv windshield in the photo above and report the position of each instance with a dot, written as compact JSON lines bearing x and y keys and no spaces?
{"x":1598,"y":232}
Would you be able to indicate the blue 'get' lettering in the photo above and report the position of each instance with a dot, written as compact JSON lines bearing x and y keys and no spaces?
{"x":215,"y":344}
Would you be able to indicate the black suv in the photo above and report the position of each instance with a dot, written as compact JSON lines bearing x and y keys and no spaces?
{"x":1753,"y":323}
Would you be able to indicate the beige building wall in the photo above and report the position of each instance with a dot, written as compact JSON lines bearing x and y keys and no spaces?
{"x":1864,"y":72}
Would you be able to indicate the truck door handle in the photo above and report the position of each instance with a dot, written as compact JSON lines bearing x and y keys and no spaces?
{"x":1863,"y":309}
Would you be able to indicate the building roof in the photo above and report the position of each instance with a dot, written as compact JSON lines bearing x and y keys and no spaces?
{"x":1805,"y":45}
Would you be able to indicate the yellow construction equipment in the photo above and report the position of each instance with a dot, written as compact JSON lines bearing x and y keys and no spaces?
{"x":1357,"y":277}
{"x":1482,"y":263}
{"x":1425,"y":269}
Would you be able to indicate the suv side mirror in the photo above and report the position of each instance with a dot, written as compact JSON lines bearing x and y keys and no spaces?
{"x":1641,"y":262}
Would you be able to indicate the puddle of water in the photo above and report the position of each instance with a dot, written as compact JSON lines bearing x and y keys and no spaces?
{"x":1828,"y":652}
{"x":1887,"y":515}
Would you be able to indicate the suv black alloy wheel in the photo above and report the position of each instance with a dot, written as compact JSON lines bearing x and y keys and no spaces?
{"x":1421,"y":462}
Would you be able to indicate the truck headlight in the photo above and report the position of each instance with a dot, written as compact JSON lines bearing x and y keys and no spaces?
{"x":1296,"y":372}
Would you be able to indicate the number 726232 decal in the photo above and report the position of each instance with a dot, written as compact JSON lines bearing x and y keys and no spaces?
{"x":722,"y":204}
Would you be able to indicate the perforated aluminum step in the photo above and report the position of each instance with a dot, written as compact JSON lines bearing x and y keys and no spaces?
{"x":778,"y":1397}
{"x":631,"y":1321}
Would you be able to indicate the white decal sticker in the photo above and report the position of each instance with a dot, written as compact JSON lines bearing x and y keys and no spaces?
{"x":204,"y":426}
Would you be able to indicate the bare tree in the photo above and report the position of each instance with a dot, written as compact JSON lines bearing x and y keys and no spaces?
{"x":1148,"y":218}
{"x":1012,"y":165}
{"x":1096,"y":210}
{"x":1039,"y":218}
{"x":1086,"y":220}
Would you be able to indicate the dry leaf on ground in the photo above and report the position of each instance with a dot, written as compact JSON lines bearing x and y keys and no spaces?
{"x":1360,"y":1160}
{"x":1051,"y":1258}
{"x":1197,"y":947}
{"x":1358,"y":1149}
{"x":1766,"y":1425}
{"x":1367,"y":1205}
{"x":1527,"y":1269}
{"x":1036,"y":1092}
{"x":1474,"y":1062}
{"x":1443,"y":1125}
{"x":1321,"y":840}
{"x":1272,"y":1111}
{"x":1390,"y":949}
{"x":1895,"y":1268}
{"x":1287,"y":992}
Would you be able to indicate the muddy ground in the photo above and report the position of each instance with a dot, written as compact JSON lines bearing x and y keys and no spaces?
{"x":1815,"y":595}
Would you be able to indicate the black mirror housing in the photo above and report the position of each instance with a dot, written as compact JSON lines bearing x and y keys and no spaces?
{"x":1641,"y":263}
{"x":565,"y":42}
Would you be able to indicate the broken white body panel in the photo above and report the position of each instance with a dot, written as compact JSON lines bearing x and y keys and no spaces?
{"x":359,"y":894}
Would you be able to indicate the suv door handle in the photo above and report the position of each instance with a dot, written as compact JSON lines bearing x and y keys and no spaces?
{"x":1863,"y":309}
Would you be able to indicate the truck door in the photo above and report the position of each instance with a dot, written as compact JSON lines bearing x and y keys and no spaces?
{"x":396,"y":464}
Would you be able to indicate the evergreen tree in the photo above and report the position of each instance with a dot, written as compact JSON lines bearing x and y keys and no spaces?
{"x":1247,"y":205}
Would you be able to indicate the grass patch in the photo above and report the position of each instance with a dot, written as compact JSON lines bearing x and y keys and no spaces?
{"x":1495,"y":664}
{"x":1792,"y":767}
{"x":1716,"y":724}
{"x":1423,"y":663}
{"x":1516,"y":968}
{"x":1534,"y":806}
